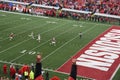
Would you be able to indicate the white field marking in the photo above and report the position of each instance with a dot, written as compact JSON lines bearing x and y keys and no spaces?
{"x":64,"y":44}
{"x":10,"y":63}
{"x":77,"y":25}
{"x":115,"y":72}
{"x":81,"y":26}
{"x":24,"y":14}
{"x":52,"y":22}
{"x":24,"y":31}
{"x":23,"y":18}
{"x":2,"y":15}
{"x":25,"y":41}
{"x":39,"y":45}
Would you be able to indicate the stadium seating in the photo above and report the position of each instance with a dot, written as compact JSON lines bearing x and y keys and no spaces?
{"x":102,"y":6}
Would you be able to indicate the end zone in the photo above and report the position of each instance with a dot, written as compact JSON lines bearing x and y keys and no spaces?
{"x":100,"y":58}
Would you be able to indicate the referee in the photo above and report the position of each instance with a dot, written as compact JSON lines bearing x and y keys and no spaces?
{"x":80,"y":35}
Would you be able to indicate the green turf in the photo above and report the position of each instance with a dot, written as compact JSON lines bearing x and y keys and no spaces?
{"x":65,"y":31}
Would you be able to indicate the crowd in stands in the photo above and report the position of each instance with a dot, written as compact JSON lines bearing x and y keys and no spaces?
{"x":102,"y":6}
{"x":33,"y":72}
{"x":111,"y":7}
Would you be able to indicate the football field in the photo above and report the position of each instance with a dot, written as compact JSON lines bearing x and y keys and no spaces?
{"x":23,"y":49}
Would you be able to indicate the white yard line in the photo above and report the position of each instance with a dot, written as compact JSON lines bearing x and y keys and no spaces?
{"x":10,"y":63}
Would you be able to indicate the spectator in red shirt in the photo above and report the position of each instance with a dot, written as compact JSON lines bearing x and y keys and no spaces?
{"x":5,"y":69}
{"x":12,"y":71}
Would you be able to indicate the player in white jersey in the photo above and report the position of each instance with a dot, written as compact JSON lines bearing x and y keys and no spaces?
{"x":53,"y":41}
{"x":39,"y":38}
{"x":31,"y":35}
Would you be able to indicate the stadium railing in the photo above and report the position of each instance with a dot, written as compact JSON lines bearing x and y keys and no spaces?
{"x":110,"y":17}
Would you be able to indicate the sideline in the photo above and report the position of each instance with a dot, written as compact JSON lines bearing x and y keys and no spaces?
{"x":23,"y":14}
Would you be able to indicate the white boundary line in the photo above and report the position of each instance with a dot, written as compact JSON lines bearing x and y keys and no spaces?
{"x":10,"y":63}
{"x":5,"y":62}
{"x":115,"y":72}
{"x":23,"y":14}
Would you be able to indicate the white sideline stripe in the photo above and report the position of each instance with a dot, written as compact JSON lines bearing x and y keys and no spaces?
{"x":115,"y":72}
{"x":40,"y":45}
{"x":10,"y":63}
{"x":25,"y":40}
{"x":65,"y":44}
{"x":23,"y":14}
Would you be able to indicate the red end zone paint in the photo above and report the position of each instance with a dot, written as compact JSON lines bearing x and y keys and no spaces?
{"x":100,"y":58}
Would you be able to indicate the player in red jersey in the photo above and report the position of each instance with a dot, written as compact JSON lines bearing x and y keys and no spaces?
{"x":5,"y":69}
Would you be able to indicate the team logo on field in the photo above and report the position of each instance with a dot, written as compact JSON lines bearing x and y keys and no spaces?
{"x":100,"y":58}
